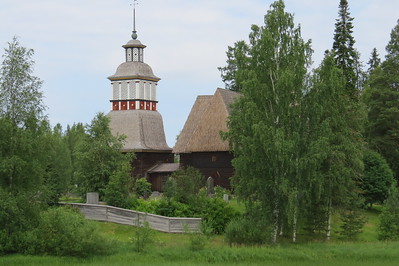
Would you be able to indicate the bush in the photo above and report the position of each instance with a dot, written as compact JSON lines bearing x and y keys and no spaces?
{"x":143,"y":237}
{"x":148,"y":206}
{"x":142,"y":187}
{"x":65,"y":232}
{"x":217,"y":213}
{"x":246,"y":230}
{"x":184,"y":184}
{"x":353,"y":223}
{"x":172,"y":208}
{"x":117,"y":190}
{"x":219,"y":192}
{"x":199,"y":240}
{"x":18,"y":217}
{"x":377,"y":178}
{"x":389,"y":218}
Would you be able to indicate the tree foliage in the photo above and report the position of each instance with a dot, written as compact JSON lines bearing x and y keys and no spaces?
{"x":20,"y":95}
{"x":377,"y":179}
{"x":296,"y":139}
{"x":335,"y":144}
{"x":343,"y":47}
{"x":265,"y":126}
{"x":99,"y":156}
{"x":389,"y":218}
{"x":184,"y":184}
{"x":374,"y":61}
{"x":381,"y":97}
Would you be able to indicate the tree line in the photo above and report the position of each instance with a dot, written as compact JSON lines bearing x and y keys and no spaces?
{"x":310,"y":144}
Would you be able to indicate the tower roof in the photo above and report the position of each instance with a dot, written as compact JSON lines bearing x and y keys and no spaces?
{"x":143,"y":130}
{"x":134,"y":43}
{"x":134,"y":70}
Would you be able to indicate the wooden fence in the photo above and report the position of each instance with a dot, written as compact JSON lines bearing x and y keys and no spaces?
{"x":123,"y":216}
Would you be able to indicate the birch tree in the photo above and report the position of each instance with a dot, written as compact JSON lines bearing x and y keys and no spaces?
{"x":265,"y":126}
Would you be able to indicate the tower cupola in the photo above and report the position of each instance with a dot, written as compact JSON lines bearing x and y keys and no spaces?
{"x":134,"y":85}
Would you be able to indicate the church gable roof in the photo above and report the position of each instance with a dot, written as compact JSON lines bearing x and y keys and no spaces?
{"x":201,"y":132}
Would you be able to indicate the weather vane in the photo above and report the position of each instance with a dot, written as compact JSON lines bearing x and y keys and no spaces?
{"x":134,"y":34}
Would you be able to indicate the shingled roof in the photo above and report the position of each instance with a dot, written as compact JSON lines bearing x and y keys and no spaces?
{"x":208,"y":116}
{"x":143,"y":130}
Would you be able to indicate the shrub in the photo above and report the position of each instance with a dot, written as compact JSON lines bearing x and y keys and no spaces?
{"x":18,"y":217}
{"x":219,"y":192}
{"x":117,"y":190}
{"x":215,"y":212}
{"x":199,"y":239}
{"x":185,"y":184}
{"x":148,"y":206}
{"x":246,"y":230}
{"x":142,"y":237}
{"x":353,"y":223}
{"x":65,"y":232}
{"x":377,"y":178}
{"x":142,"y":187}
{"x":389,"y":218}
{"x":172,"y":208}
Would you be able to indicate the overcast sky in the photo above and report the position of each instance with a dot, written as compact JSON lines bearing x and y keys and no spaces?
{"x":78,"y":43}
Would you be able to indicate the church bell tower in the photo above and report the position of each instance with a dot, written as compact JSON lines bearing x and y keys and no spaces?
{"x":134,"y":109}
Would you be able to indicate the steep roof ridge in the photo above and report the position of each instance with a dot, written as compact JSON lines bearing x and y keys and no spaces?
{"x":228,"y":97}
{"x":200,"y":105}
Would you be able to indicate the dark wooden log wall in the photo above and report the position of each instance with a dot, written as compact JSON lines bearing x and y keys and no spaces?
{"x":215,"y":164}
{"x":146,"y":160}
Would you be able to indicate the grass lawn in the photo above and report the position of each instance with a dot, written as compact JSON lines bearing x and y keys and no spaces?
{"x":173,"y":249}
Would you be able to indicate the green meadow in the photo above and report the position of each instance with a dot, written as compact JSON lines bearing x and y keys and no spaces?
{"x":174,"y":249}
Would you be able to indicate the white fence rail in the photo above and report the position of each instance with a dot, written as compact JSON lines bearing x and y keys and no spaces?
{"x":123,"y":216}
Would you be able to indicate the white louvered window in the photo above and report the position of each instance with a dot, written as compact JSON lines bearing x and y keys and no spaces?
{"x":132,"y":90}
{"x":153,"y":92}
{"x":123,"y":90}
{"x":115,"y":90}
{"x":141,"y":92}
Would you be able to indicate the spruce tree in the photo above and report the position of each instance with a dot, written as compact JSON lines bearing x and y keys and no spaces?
{"x":381,"y":97}
{"x":374,"y":61}
{"x":343,"y":47}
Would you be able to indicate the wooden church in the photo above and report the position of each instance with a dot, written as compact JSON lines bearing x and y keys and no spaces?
{"x":200,"y":144}
{"x":134,"y":111}
{"x":134,"y":114}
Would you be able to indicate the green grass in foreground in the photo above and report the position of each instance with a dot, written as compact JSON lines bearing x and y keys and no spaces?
{"x":172,"y":249}
{"x":306,"y":254}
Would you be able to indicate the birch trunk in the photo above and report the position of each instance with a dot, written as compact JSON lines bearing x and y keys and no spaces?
{"x":328,"y":233}
{"x":294,"y":226}
{"x":276,"y":216}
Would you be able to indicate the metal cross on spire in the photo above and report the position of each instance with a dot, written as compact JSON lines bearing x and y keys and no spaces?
{"x":134,"y":34}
